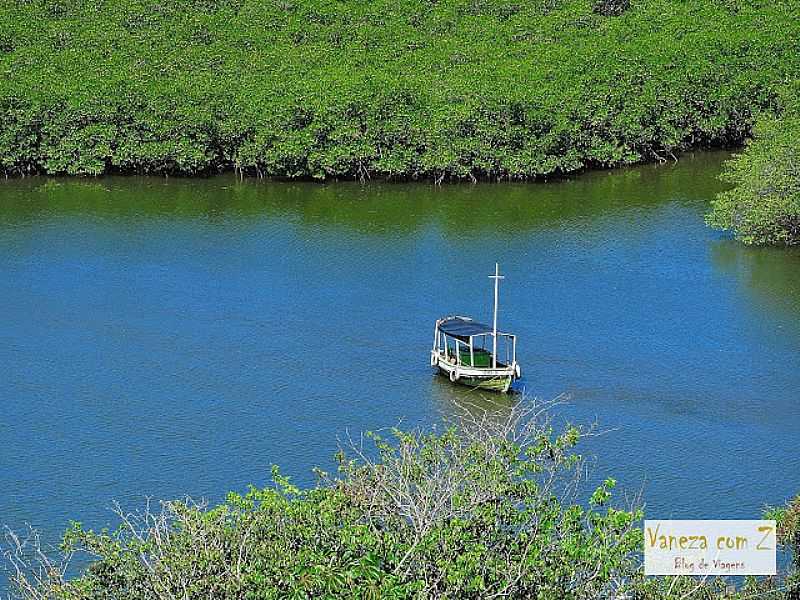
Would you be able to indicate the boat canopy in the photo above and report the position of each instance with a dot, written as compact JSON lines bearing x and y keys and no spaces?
{"x":463,"y":328}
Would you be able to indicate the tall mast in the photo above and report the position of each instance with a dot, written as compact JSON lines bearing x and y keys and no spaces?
{"x":497,"y":277}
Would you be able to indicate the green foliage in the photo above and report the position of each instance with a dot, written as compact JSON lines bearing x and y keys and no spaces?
{"x":763,"y":206}
{"x":487,"y":510}
{"x":458,"y":514}
{"x":788,"y":520}
{"x":453,"y":89}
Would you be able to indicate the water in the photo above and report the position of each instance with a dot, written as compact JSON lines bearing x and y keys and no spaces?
{"x":170,"y":337}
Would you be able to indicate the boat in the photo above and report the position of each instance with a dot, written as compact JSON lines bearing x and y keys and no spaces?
{"x":461,"y":350}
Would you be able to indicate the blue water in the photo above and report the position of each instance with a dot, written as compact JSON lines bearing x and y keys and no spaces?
{"x":172,"y":337}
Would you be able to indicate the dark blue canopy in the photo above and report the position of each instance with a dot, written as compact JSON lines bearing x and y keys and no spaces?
{"x":463,"y":327}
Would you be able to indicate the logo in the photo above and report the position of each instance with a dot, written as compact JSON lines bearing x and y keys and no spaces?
{"x":719,"y":547}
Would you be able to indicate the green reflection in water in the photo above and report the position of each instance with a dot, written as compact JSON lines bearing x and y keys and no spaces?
{"x":373,"y":208}
{"x":770,"y":277}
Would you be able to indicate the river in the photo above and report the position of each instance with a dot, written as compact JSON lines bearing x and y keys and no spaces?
{"x":167,"y":337}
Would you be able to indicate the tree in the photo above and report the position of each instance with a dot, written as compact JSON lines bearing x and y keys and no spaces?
{"x":763,"y":206}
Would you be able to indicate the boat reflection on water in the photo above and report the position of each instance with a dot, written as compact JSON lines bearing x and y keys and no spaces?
{"x":457,"y":403}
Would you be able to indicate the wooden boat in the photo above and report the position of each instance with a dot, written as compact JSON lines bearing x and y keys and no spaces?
{"x":460,"y":350}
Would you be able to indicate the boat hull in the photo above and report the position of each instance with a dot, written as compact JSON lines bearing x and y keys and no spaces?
{"x":493,"y":383}
{"x":495,"y":379}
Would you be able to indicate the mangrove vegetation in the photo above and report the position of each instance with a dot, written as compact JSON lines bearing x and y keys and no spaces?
{"x":443,"y":89}
{"x":763,"y":204}
{"x":446,"y":89}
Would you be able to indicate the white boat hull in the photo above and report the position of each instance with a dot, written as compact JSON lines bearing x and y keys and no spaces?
{"x":497,"y":379}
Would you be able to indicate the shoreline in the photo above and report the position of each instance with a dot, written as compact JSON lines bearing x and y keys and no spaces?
{"x":239,"y":174}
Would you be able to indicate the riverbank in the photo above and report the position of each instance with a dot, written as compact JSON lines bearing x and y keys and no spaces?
{"x":450,"y":90}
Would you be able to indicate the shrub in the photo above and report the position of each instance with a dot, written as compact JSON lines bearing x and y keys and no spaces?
{"x":763,"y":206}
{"x":484,"y":510}
{"x":488,"y":509}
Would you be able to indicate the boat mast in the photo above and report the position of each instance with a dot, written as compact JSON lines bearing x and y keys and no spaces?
{"x":497,"y":277}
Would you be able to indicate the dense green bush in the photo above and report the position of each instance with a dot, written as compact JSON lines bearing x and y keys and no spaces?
{"x":763,"y":205}
{"x":482,"y":511}
{"x":400,"y":88}
{"x":490,"y":509}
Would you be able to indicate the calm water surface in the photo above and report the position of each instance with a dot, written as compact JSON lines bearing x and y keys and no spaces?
{"x":171,"y":337}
